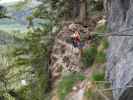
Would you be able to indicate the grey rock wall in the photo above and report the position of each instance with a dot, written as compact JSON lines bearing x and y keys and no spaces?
{"x":120,"y":53}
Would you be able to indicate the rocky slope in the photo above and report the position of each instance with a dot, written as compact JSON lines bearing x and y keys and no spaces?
{"x":64,"y":56}
{"x":120,"y":53}
{"x":65,"y":59}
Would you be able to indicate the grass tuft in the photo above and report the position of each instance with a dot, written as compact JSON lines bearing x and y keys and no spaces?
{"x":89,"y":56}
{"x":100,"y":76}
{"x":67,"y":82}
{"x":100,"y":57}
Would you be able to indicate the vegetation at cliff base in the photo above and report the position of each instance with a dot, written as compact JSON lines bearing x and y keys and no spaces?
{"x":100,"y":57}
{"x":67,"y":82}
{"x":89,"y":56}
{"x":100,"y":76}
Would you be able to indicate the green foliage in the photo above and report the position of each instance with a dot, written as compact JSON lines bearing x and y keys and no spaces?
{"x":89,"y":56}
{"x":30,"y":61}
{"x":57,"y":10}
{"x":101,"y":28}
{"x":67,"y":82}
{"x":23,"y":91}
{"x":96,"y":39}
{"x":100,"y":57}
{"x":6,"y":96}
{"x":96,"y":5}
{"x":3,"y":11}
{"x":89,"y":94}
{"x":98,"y":76}
{"x":101,"y":45}
{"x":105,"y":43}
{"x":21,"y":5}
{"x":34,"y":52}
{"x":29,"y":18}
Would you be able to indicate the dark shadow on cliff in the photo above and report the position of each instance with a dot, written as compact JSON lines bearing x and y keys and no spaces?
{"x":127,"y":94}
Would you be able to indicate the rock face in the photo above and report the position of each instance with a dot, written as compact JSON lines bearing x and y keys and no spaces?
{"x":120,"y":53}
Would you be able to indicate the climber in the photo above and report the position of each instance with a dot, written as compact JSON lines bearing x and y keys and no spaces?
{"x":76,"y":39}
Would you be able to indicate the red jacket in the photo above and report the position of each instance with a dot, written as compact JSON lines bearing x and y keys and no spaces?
{"x":76,"y":37}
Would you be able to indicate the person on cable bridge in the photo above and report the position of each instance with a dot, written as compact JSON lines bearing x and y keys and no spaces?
{"x":76,"y":39}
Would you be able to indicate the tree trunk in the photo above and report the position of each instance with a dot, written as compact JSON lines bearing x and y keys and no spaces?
{"x":79,"y":10}
{"x":76,"y":8}
{"x":83,"y":11}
